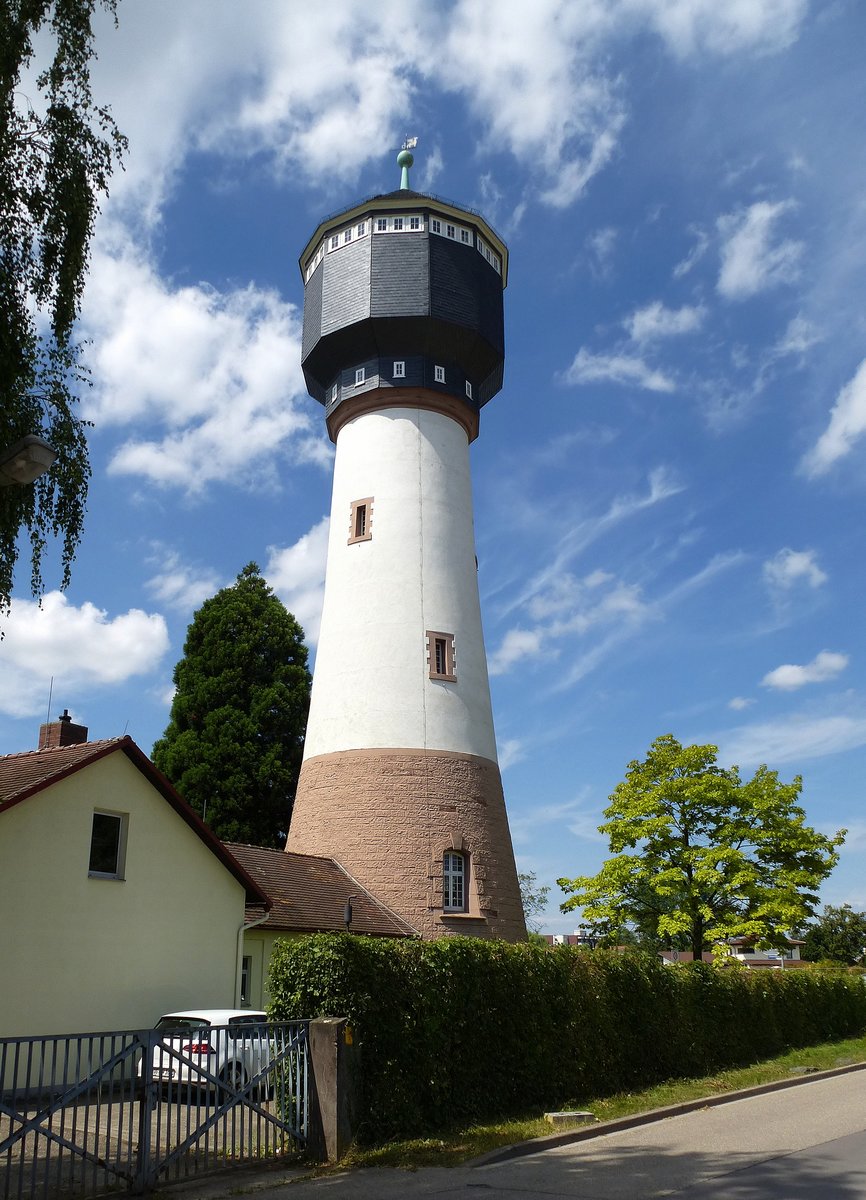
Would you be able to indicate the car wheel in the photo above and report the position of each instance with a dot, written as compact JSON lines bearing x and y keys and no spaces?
{"x":233,"y":1076}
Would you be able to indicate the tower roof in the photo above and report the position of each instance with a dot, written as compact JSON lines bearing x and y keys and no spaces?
{"x":406,"y":199}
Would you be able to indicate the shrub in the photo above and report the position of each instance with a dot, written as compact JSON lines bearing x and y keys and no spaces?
{"x":462,"y":1029}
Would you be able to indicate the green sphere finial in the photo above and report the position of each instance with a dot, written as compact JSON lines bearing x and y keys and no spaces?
{"x":405,"y":159}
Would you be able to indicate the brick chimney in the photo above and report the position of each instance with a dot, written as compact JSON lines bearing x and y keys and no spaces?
{"x":61,"y":733}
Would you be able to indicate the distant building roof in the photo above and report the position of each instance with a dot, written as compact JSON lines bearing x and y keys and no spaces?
{"x":308,"y":894}
{"x":25,"y":775}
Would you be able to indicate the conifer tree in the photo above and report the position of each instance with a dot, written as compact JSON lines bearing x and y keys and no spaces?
{"x":234,"y":742}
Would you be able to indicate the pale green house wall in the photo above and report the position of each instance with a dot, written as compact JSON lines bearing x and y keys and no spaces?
{"x":81,"y":954}
{"x":258,"y":947}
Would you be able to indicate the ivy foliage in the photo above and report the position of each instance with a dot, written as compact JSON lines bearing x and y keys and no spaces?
{"x":701,"y":855}
{"x":462,"y":1029}
{"x":57,"y":150}
{"x":235,"y":737}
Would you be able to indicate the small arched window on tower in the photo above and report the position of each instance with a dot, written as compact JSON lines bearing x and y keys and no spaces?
{"x":453,"y":881}
{"x":440,"y":655}
{"x":361,"y":520}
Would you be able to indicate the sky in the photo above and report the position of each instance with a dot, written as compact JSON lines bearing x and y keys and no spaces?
{"x":669,"y":490}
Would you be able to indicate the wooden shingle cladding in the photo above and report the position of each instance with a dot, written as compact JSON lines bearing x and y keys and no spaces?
{"x":415,"y":295}
{"x":309,"y":893}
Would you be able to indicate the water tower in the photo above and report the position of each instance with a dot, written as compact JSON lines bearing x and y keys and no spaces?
{"x":403,"y":345}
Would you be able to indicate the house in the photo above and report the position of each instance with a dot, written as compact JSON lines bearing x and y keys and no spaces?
{"x":118,"y":903}
{"x":744,"y":950}
{"x":308,"y":894}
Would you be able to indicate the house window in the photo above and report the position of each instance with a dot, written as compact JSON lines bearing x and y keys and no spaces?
{"x":398,"y":223}
{"x":362,"y":229}
{"x":347,"y":236}
{"x":361,"y":520}
{"x":335,"y":241}
{"x":450,"y":231}
{"x":381,"y":224}
{"x":439,"y":374}
{"x":399,"y":370}
{"x":335,"y":390}
{"x":453,"y":881}
{"x":440,"y":655}
{"x":246,"y":974}
{"x":465,"y":237}
{"x":107,"y":845}
{"x":360,"y":375}
{"x":414,"y":222}
{"x":468,"y":389}
{"x":435,"y":225}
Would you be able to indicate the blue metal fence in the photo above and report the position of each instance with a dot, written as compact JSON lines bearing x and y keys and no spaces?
{"x":87,"y":1114}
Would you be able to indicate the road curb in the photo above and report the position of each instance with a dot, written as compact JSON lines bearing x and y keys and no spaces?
{"x":584,"y":1134}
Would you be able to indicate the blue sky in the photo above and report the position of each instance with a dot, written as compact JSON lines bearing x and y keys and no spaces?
{"x":669,"y":489}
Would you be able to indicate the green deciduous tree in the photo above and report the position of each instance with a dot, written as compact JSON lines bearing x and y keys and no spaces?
{"x":533,"y":898}
{"x":234,"y":743}
{"x":701,"y":855}
{"x":836,"y":935}
{"x":56,"y":155}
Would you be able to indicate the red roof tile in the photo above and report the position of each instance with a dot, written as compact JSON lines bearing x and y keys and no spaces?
{"x":309,"y":894}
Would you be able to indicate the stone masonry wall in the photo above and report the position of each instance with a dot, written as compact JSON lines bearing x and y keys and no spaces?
{"x":388,"y":816}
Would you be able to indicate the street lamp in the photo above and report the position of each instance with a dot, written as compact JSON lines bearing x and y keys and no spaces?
{"x":25,"y":461}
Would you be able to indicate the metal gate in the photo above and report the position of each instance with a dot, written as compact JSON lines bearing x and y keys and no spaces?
{"x":93,"y":1113}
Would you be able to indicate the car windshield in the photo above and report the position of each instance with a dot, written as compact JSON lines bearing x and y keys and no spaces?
{"x":180,"y":1024}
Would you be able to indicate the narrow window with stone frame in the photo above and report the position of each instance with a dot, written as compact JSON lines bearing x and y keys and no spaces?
{"x":361,"y":520}
{"x":440,"y":655}
{"x":454,"y":889}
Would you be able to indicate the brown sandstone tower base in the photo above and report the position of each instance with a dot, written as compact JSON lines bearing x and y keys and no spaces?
{"x":388,"y":816}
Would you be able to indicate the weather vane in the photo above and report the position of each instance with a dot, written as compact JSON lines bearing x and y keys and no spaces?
{"x":405,"y":159}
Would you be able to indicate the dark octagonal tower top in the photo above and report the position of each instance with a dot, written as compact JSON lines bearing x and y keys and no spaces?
{"x":403,"y":290}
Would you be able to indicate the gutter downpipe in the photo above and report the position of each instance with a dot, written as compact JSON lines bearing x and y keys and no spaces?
{"x":239,"y":956}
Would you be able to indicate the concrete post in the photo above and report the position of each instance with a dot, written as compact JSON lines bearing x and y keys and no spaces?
{"x":333,"y":1068}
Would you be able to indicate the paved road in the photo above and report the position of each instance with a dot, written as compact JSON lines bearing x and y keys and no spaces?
{"x":806,"y":1143}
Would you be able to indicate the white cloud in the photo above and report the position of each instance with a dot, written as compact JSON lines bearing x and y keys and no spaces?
{"x":601,"y":246}
{"x":751,"y":262}
{"x":738,"y":703}
{"x":511,"y":751}
{"x":178,"y":585}
{"x":801,"y":335}
{"x":81,"y":647}
{"x":790,"y":676}
{"x":297,"y":575}
{"x":616,"y":368}
{"x":847,"y":425}
{"x":690,"y":26}
{"x":790,"y":567}
{"x":656,"y":321}
{"x":574,"y":815}
{"x":516,"y":645}
{"x":793,"y":739}
{"x":214,"y":377}
{"x":702,"y":244}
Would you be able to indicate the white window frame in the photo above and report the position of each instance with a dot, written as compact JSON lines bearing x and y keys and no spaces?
{"x":360,"y":376}
{"x":436,"y":225}
{"x":454,"y":875}
{"x":468,"y":389}
{"x":400,"y":370}
{"x":334,"y":241}
{"x":122,"y":825}
{"x":438,"y":374}
{"x":381,"y":224}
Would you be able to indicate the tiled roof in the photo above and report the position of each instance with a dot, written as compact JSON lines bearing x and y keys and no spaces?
{"x":30,"y":772}
{"x":24,"y":775}
{"x":309,"y":894}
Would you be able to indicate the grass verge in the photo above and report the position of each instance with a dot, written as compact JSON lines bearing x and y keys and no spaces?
{"x":452,"y":1147}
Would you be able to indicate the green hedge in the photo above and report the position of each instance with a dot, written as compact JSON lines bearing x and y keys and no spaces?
{"x":462,"y":1029}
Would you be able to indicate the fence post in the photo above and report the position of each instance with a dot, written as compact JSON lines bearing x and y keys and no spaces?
{"x":147,"y":1101}
{"x":333,"y":1070}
